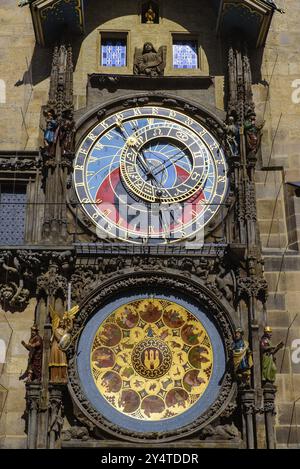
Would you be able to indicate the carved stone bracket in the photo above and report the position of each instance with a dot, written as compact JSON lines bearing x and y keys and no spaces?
{"x":269,"y":392}
{"x":22,"y":272}
{"x":254,"y":287}
{"x":19,"y":164}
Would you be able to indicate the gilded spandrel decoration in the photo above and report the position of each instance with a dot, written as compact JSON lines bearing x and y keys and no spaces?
{"x":152,"y":359}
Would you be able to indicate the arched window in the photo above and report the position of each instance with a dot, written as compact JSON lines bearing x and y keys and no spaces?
{"x":2,"y":92}
{"x":2,"y":351}
{"x":150,"y":13}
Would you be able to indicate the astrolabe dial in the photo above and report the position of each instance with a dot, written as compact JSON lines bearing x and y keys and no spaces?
{"x":150,"y":172}
{"x":151,"y":359}
{"x":165,"y":163}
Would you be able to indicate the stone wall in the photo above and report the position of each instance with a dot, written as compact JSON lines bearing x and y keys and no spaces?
{"x":15,"y":327}
{"x":276,"y":99}
{"x":24,"y":70}
{"x":24,"y":66}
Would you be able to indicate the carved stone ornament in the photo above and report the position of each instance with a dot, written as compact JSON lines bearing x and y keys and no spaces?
{"x":220,"y":432}
{"x":198,"y":292}
{"x":149,"y":62}
{"x":252,"y":287}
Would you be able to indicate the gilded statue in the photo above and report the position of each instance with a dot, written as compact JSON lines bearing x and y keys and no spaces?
{"x":242,"y":358}
{"x":35,"y":348}
{"x":268,"y":359}
{"x":150,"y":15}
{"x":148,"y":61}
{"x":60,"y":341}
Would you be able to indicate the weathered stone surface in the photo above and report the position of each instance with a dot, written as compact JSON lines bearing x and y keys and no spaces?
{"x":24,"y":69}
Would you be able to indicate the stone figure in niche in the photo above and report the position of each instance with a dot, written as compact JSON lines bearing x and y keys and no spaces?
{"x":60,"y":341}
{"x":35,"y":348}
{"x":253,"y":133}
{"x":233,"y":136}
{"x":268,"y":360}
{"x":242,"y":358}
{"x":148,"y":61}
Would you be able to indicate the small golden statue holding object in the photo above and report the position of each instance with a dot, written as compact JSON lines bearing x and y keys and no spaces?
{"x":150,"y":15}
{"x":60,"y":341}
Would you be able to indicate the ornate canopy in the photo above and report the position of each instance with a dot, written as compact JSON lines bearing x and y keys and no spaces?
{"x":55,"y":17}
{"x":251,"y":17}
{"x":52,"y":18}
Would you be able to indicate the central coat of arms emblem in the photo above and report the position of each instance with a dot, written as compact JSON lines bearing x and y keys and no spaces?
{"x":151,"y":358}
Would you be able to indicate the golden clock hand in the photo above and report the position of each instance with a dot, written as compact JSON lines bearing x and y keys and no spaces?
{"x":132,"y":141}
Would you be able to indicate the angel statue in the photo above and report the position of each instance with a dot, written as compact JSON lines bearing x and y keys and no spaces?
{"x":149,"y":62}
{"x":60,"y":342}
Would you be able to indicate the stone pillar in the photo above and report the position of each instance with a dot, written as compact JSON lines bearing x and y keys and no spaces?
{"x":32,"y":400}
{"x":269,"y":391}
{"x":43,"y":414}
{"x":55,"y":415}
{"x":248,"y":410}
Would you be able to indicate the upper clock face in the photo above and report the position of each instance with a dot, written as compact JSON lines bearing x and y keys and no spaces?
{"x":150,"y":173}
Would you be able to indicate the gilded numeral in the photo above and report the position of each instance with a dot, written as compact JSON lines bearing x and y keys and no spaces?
{"x":107,"y":212}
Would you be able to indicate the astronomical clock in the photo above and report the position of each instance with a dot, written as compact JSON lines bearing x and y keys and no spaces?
{"x":142,"y":260}
{"x":150,"y":173}
{"x":152,"y":345}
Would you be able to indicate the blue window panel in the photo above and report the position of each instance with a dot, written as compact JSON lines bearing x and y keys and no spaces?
{"x":185,"y":54}
{"x":113,"y":53}
{"x":12,"y":217}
